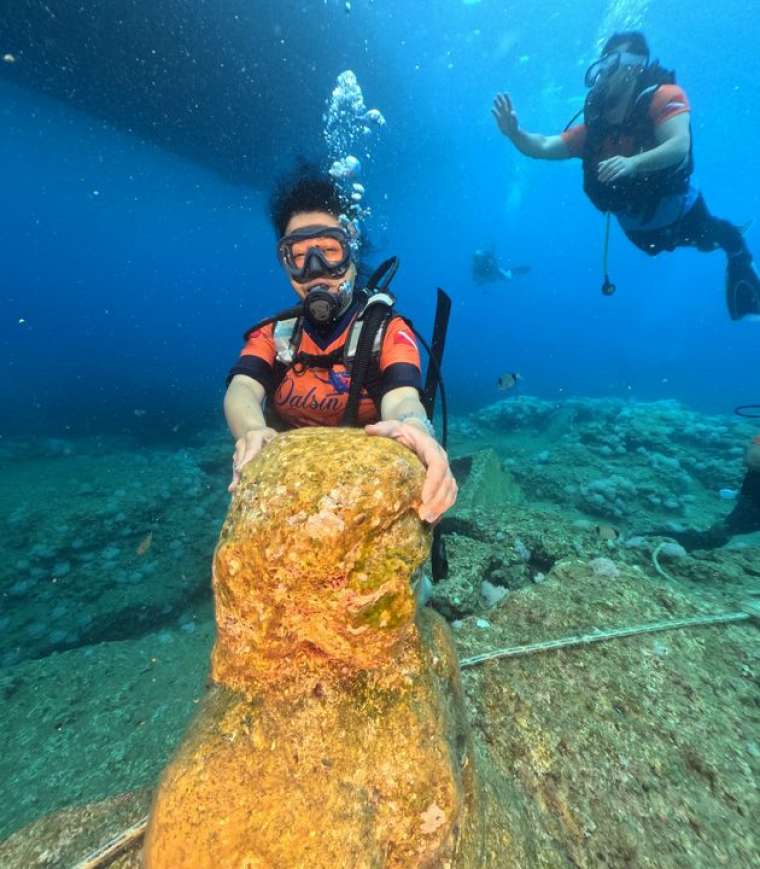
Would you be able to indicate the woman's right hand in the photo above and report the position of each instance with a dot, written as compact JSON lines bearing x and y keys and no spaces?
{"x":246,"y":447}
{"x":505,"y":115}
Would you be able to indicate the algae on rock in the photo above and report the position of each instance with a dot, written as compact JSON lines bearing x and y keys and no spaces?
{"x":334,"y":733}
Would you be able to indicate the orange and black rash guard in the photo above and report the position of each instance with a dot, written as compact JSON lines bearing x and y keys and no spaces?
{"x":318,"y":396}
{"x":669,"y":100}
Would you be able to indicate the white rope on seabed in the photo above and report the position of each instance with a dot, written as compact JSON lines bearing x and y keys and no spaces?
{"x":657,"y":566}
{"x":103,"y":856}
{"x":751,"y":612}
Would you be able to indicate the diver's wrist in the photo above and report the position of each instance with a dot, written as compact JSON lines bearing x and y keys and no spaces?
{"x":422,"y":422}
{"x":252,"y":429}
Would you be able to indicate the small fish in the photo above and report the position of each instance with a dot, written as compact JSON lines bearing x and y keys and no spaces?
{"x":508,"y":380}
{"x":9,"y":58}
{"x":606,"y":532}
{"x":145,"y":543}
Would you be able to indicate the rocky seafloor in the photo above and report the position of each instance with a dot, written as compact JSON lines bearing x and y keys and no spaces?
{"x":641,"y":751}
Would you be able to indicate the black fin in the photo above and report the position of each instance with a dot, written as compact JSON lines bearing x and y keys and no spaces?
{"x":742,"y":287}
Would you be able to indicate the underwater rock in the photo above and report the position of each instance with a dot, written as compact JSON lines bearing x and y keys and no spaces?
{"x":604,"y":567}
{"x":87,"y":582}
{"x":334,"y":732}
{"x":610,"y":496}
{"x":484,"y":484}
{"x":470,"y":562}
{"x":641,"y":751}
{"x":613,"y":458}
{"x":515,"y":413}
{"x":671,"y":550}
{"x":65,"y":837}
{"x":491,"y":593}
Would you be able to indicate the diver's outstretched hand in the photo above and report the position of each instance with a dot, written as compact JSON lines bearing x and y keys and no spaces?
{"x":439,"y":491}
{"x":246,"y":448}
{"x":505,"y":115}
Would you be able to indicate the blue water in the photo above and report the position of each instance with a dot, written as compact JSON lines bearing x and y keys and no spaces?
{"x":135,"y":271}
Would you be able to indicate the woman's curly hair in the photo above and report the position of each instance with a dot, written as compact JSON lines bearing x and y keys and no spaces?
{"x":306,"y":188}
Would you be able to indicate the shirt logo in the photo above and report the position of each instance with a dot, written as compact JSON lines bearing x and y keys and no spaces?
{"x":402,"y":337}
{"x":339,"y":380}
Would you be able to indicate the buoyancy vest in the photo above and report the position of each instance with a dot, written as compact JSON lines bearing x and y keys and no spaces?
{"x":359,"y":353}
{"x":641,"y":194}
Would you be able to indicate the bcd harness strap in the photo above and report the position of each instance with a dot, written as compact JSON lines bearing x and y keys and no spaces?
{"x":361,"y":350}
{"x":369,"y":340}
{"x":359,"y":354}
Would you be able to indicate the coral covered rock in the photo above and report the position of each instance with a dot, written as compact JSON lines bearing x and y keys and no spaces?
{"x":622,"y":460}
{"x":334,"y":733}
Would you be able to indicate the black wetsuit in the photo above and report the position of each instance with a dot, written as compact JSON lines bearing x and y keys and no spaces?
{"x":743,"y":519}
{"x":697,"y":228}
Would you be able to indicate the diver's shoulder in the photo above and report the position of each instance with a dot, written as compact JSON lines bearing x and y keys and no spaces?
{"x":398,"y":320}
{"x":668,"y":101}
{"x":262,"y":330}
{"x":667,"y":93}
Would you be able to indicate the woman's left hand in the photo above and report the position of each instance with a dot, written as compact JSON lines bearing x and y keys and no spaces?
{"x":439,"y":491}
{"x":616,"y":168}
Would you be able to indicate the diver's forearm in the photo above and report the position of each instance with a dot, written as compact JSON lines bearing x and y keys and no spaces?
{"x":243,"y":408}
{"x":530,"y":144}
{"x":668,"y":154}
{"x":406,"y":407}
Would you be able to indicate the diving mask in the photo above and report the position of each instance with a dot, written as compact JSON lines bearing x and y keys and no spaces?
{"x":314,"y":252}
{"x":610,"y":63}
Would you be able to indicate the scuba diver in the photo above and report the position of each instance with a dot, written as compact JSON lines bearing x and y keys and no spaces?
{"x":340,"y":357}
{"x":743,"y":519}
{"x":637,"y":153}
{"x":487,"y":270}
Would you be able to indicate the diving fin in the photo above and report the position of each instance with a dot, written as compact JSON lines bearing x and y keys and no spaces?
{"x":742,"y":286}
